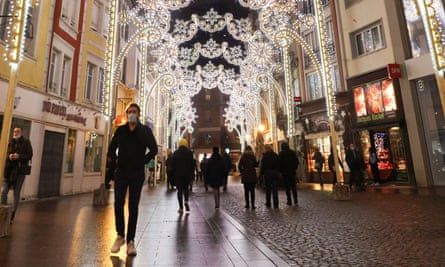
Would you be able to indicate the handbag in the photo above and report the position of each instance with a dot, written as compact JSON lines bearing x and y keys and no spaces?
{"x":26,"y":169}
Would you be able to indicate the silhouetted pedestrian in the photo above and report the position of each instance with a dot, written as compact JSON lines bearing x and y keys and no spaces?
{"x":270,"y":170}
{"x":214,"y":174}
{"x":182,"y":165}
{"x":288,"y":167}
{"x":246,"y":166}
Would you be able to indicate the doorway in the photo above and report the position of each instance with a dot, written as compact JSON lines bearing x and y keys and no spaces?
{"x":52,"y":161}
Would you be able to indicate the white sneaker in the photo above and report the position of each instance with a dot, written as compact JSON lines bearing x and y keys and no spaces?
{"x":117,"y":244}
{"x":131,"y":249}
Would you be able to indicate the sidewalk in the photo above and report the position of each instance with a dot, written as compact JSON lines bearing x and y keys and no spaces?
{"x":70,"y":231}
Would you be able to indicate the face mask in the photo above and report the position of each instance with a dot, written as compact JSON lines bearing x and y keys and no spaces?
{"x":17,"y":137}
{"x":132,"y":118}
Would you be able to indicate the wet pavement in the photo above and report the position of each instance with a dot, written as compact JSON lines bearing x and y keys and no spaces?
{"x":371,"y":229}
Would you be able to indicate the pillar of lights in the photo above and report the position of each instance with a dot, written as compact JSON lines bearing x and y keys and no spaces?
{"x":287,"y":82}
{"x":142,"y":76}
{"x":110,"y":58}
{"x":327,"y":82}
{"x":13,"y":54}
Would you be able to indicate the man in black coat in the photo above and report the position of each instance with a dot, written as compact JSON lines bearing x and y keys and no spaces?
{"x":270,"y":169}
{"x":288,"y":167}
{"x":183,"y":171}
{"x":19,"y":154}
{"x":128,"y":148}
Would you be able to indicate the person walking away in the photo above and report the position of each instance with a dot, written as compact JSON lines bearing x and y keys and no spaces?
{"x":214,"y":174}
{"x":228,"y":164}
{"x":132,"y":141}
{"x":270,"y":170}
{"x":19,"y":153}
{"x":319,"y":161}
{"x":246,"y":166}
{"x":182,"y":165}
{"x":288,"y":167}
{"x":203,"y":166}
{"x":356,"y":164}
{"x":374,"y":163}
{"x":331,"y":165}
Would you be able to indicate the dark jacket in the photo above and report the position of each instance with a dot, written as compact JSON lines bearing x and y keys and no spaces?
{"x":319,"y":160}
{"x":182,"y":164}
{"x":215,"y":171}
{"x":331,"y":163}
{"x":269,"y":162}
{"x":22,"y":147}
{"x":247,"y":165}
{"x":132,"y":146}
{"x":355,"y":160}
{"x":288,"y":161}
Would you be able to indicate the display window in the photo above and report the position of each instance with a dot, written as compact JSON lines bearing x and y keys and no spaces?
{"x":324,"y":143}
{"x":375,"y":101}
{"x":390,"y":153}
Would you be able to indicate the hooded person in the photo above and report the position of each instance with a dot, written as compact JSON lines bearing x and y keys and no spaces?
{"x":182,"y":164}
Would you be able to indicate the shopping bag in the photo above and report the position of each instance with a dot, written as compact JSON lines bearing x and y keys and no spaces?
{"x":5,"y":219}
{"x":101,"y":195}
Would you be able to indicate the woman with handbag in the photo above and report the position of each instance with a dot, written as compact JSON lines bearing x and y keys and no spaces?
{"x":16,"y":168}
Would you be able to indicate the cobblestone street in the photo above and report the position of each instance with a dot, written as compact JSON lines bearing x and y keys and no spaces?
{"x":371,"y":229}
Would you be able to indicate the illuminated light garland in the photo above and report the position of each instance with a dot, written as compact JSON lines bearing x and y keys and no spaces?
{"x":15,"y":31}
{"x":210,"y":22}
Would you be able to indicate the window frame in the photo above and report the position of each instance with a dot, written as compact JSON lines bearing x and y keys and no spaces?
{"x":365,"y":42}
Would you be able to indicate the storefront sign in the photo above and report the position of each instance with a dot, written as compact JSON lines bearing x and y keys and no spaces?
{"x":394,"y":71}
{"x":61,"y":110}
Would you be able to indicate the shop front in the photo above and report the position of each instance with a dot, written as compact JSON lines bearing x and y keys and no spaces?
{"x":377,"y":121}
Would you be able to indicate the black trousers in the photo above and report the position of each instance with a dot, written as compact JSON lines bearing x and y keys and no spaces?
{"x":182,"y":187}
{"x":271,"y":179}
{"x":291,"y":187}
{"x":249,"y":192}
{"x":133,"y":180}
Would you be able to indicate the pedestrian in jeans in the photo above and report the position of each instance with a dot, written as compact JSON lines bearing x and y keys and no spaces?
{"x":246,"y":166}
{"x":18,"y":156}
{"x":128,"y":148}
{"x":183,"y":167}
{"x":270,"y":170}
{"x":214,"y":174}
{"x":288,"y":167}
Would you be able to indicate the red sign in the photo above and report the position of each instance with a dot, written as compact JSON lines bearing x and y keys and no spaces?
{"x":394,"y":71}
{"x":297,"y":98}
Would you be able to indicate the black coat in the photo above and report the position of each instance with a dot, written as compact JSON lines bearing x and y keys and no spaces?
{"x":269,"y":162}
{"x":288,"y":162}
{"x":247,"y":165}
{"x":22,"y":147}
{"x":182,"y":166}
{"x":215,"y":171}
{"x":132,"y":146}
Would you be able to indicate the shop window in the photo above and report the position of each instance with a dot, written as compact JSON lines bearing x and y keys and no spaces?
{"x":375,"y":101}
{"x":93,"y":152}
{"x":70,"y":149}
{"x":433,"y":120}
{"x":324,"y":143}
{"x":25,"y":124}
